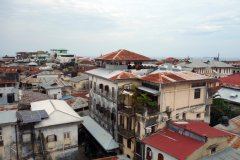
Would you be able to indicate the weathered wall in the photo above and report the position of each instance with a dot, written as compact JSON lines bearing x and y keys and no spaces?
{"x":53,"y":91}
{"x":204,"y":151}
{"x":128,"y":151}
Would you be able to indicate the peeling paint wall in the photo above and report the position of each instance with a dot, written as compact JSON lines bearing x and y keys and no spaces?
{"x":57,"y":91}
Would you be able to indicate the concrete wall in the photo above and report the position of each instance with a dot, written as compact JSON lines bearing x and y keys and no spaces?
{"x":155,"y":153}
{"x":129,"y":151}
{"x":80,"y":85}
{"x":53,"y":91}
{"x":6,"y":90}
{"x":204,"y":151}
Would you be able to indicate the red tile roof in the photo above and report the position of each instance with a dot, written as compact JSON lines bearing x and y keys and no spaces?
{"x":201,"y":129}
{"x":123,"y":55}
{"x":165,"y":77}
{"x":233,"y":79}
{"x":124,"y":75}
{"x":10,"y":81}
{"x":170,"y":59}
{"x":83,"y":95}
{"x":175,"y":144}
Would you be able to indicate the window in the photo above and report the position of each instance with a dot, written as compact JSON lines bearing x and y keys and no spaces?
{"x":90,"y":84}
{"x":101,"y":87}
{"x":121,"y":120}
{"x":177,"y":116}
{"x":1,"y":95}
{"x":51,"y":138}
{"x":113,"y":92}
{"x":120,"y":139}
{"x":1,"y":138}
{"x":213,"y":150}
{"x":199,"y":115}
{"x":197,"y":93}
{"x":160,"y":156}
{"x":153,"y":129}
{"x":55,"y":96}
{"x":26,"y":138}
{"x":149,"y":154}
{"x":138,"y":148}
{"x":198,"y":84}
{"x":95,"y":86}
{"x":66,"y":135}
{"x":74,"y":85}
{"x":184,"y":115}
{"x":138,"y":127}
{"x":107,"y":88}
{"x":129,"y":143}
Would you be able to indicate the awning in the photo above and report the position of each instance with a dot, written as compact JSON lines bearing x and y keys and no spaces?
{"x":103,"y":137}
{"x":127,"y":93}
{"x":149,"y":90}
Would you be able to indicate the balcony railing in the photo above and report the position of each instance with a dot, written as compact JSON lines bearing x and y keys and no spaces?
{"x":122,"y":109}
{"x":125,"y":133}
{"x":153,"y":109}
{"x":107,"y":95}
{"x":152,"y":120}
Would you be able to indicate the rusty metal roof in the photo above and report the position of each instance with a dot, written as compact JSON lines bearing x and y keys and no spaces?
{"x":124,"y":75}
{"x":10,"y":81}
{"x":29,"y":97}
{"x":167,"y":77}
{"x":77,"y":102}
{"x":123,"y":54}
{"x":83,"y":95}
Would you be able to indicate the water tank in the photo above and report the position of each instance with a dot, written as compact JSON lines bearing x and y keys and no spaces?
{"x":10,"y":97}
{"x":225,"y":120}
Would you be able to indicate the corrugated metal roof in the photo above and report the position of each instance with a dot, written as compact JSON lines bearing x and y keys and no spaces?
{"x":175,"y":144}
{"x":199,"y":63}
{"x":225,"y":93}
{"x":83,"y":95}
{"x":9,"y":81}
{"x":103,"y":72}
{"x":77,"y":102}
{"x":124,"y":75}
{"x":232,"y":81}
{"x":123,"y":54}
{"x":8,"y":117}
{"x":55,"y":110}
{"x":29,"y":97}
{"x":102,"y":136}
{"x":49,"y":73}
{"x":227,"y":154}
{"x":79,"y":78}
{"x":166,"y":77}
{"x":201,"y":129}
{"x":149,"y":90}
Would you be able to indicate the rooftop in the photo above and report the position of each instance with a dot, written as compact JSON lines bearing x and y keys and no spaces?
{"x":230,"y":94}
{"x":227,"y":154}
{"x":124,"y":75}
{"x":202,"y":63}
{"x":201,"y":128}
{"x":123,"y":55}
{"x":232,"y":81}
{"x":167,"y":77}
{"x":29,"y":97}
{"x":175,"y":144}
{"x":8,"y":81}
{"x":77,"y":102}
{"x":55,"y":109}
{"x":8,"y":117}
{"x":83,"y":95}
{"x":79,"y":78}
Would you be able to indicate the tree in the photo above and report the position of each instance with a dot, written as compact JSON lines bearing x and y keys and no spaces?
{"x":220,"y":108}
{"x":55,"y":55}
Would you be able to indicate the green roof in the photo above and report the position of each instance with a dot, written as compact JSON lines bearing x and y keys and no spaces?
{"x":54,"y":49}
{"x":64,"y":53}
{"x":44,"y":55}
{"x":62,"y":49}
{"x":32,"y":52}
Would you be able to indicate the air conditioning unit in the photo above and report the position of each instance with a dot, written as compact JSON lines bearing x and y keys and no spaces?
{"x":148,"y":130}
{"x":131,"y":86}
{"x":169,"y":109}
{"x":126,"y":86}
{"x":165,"y":118}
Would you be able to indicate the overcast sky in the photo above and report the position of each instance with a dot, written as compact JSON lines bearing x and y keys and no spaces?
{"x":154,"y":28}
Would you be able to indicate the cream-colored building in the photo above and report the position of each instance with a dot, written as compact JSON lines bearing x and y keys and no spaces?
{"x":79,"y":83}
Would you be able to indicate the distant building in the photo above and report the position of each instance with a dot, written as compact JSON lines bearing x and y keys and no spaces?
{"x":207,"y":67}
{"x":79,"y":83}
{"x":171,"y":60}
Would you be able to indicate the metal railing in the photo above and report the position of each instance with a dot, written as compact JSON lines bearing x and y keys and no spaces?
{"x":124,"y":132}
{"x":107,"y":95}
{"x":123,"y":109}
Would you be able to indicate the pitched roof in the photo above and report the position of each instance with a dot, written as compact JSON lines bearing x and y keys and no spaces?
{"x":227,"y":154}
{"x":83,"y":95}
{"x":77,"y":102}
{"x":123,"y":55}
{"x":55,"y":109}
{"x":29,"y":97}
{"x":9,"y":81}
{"x":79,"y":78}
{"x":201,"y":128}
{"x":230,"y":94}
{"x":166,"y":77}
{"x":172,"y":143}
{"x":124,"y":75}
{"x":216,"y":88}
{"x":233,"y":79}
{"x":201,"y":63}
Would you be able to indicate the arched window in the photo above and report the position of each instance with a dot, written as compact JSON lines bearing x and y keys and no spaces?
{"x":160,"y":156}
{"x":101,"y":86}
{"x":128,"y":156}
{"x":149,"y":154}
{"x":138,"y":127}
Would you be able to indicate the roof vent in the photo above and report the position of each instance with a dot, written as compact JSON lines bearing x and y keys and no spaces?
{"x":233,"y":95}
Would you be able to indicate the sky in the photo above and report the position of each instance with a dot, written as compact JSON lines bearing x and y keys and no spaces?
{"x":154,"y":28}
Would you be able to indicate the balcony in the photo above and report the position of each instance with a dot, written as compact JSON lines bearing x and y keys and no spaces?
{"x":107,"y":95}
{"x":152,"y":120}
{"x":122,"y":109}
{"x":153,"y":109}
{"x":125,"y":133}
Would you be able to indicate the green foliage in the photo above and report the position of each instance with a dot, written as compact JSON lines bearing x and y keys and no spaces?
{"x":55,"y":55}
{"x":121,"y":97}
{"x":221,"y":108}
